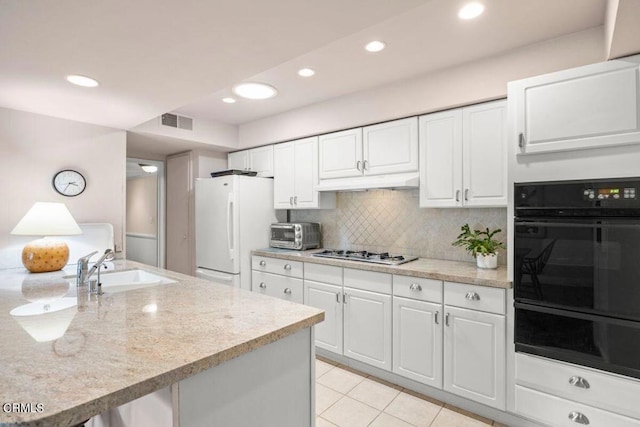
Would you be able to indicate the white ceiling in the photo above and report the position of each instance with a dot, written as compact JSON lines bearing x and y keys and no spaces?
{"x":154,"y":56}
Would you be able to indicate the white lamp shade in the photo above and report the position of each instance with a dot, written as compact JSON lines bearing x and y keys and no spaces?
{"x":47,"y":219}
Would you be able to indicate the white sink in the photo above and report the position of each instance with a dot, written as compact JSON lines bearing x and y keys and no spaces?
{"x":119,"y":281}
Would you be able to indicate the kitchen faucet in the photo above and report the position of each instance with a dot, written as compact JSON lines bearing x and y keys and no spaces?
{"x":84,"y":273}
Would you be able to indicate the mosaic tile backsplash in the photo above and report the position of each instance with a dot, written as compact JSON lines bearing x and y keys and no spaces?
{"x":377,"y":220}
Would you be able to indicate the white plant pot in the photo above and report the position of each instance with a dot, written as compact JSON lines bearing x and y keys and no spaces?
{"x":487,"y":261}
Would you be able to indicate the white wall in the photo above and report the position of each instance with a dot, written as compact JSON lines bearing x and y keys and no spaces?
{"x":466,"y":84}
{"x":34,"y":147}
{"x":210,"y":161}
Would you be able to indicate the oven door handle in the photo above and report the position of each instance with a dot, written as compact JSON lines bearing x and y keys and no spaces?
{"x":595,"y":223}
{"x":577,"y":315}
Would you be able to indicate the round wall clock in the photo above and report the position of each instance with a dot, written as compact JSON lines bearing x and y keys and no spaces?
{"x":69,"y":182}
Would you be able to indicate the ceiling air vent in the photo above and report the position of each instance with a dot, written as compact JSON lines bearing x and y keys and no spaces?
{"x":175,"y":121}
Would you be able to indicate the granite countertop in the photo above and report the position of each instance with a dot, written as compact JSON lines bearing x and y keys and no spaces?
{"x":451,"y":271}
{"x":114,"y":348}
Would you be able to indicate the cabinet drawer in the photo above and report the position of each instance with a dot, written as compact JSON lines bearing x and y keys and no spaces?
{"x":323,"y":273}
{"x":275,"y":285}
{"x":604,"y":391}
{"x":277,"y":266}
{"x":368,"y":280}
{"x":481,"y":298}
{"x":554,"y":411}
{"x":417,"y":288}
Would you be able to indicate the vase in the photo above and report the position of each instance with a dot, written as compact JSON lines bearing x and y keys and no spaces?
{"x":487,"y":261}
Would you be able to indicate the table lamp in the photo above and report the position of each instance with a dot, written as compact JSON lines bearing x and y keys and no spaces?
{"x":46,"y":219}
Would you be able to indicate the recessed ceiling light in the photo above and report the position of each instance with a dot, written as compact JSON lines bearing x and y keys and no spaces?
{"x":228,"y":100}
{"x":306,"y":72}
{"x":471,"y":10}
{"x":252,"y":90}
{"x":375,"y":46}
{"x":82,"y":80}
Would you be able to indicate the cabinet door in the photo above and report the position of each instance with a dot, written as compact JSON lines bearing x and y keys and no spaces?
{"x":474,"y":355}
{"x":328,"y":334}
{"x":261,"y":160}
{"x":275,"y":285}
{"x":283,"y":175}
{"x":340,"y":154}
{"x":305,"y":161}
{"x":484,"y":154}
{"x":238,"y":160}
{"x":417,"y":340}
{"x":441,"y":159}
{"x":390,"y":147}
{"x":591,"y":106}
{"x":367,"y":327}
{"x":180,"y":242}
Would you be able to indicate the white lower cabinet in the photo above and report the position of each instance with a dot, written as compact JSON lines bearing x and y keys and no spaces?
{"x":367,"y":327}
{"x":474,"y":355}
{"x":276,"y":285}
{"x":475,"y":343}
{"x":328,"y":334}
{"x":417,"y":340}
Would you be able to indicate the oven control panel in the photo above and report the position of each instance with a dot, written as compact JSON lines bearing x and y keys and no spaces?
{"x":609,"y":193}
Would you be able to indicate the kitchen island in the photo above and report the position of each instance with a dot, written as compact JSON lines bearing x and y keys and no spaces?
{"x":221,"y":355}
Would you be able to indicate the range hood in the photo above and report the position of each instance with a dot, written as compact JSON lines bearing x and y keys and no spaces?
{"x":399,"y":181}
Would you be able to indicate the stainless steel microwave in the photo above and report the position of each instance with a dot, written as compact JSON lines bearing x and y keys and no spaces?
{"x":295,"y":235}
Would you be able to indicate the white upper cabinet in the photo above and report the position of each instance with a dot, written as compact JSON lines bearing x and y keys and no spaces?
{"x":484,"y":154}
{"x":296,"y":176}
{"x":341,"y":154}
{"x":390,"y":147}
{"x":382,"y":149}
{"x":463,"y":157}
{"x":258,"y":160}
{"x":238,"y":160}
{"x":585,"y":107}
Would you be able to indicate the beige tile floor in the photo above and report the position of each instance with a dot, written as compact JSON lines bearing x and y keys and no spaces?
{"x":346,"y":398}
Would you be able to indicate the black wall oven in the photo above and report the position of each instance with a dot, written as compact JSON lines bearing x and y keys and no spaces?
{"x":577,"y":272}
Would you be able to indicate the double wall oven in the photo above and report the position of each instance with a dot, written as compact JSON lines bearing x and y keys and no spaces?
{"x":577,"y":272}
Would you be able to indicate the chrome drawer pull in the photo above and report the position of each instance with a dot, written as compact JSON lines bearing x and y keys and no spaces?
{"x":579,"y":382}
{"x":415,"y":287}
{"x":579,"y":418}
{"x":263,"y":263}
{"x":263,"y":285}
{"x":472,"y":296}
{"x":287,"y":266}
{"x":436,"y":317}
{"x":287,"y":291}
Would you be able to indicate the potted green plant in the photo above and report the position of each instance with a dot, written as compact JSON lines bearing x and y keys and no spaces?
{"x":481,"y":245}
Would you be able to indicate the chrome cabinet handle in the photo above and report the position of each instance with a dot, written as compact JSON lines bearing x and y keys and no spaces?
{"x":287,"y":291}
{"x":358,"y":163}
{"x":579,"y":418}
{"x":446,"y":319}
{"x":364,"y":165}
{"x":337,"y":297}
{"x":521,"y":140}
{"x":579,"y":382}
{"x":415,"y":287}
{"x":436,"y":317}
{"x":344,"y":298}
{"x":295,"y":200}
{"x":263,"y":263}
{"x":263,"y":285}
{"x":472,"y":296}
{"x":466,"y":194}
{"x":457,"y":195}
{"x":291,"y":200}
{"x":287,"y":267}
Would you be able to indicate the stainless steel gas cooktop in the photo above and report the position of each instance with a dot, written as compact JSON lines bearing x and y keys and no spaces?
{"x":366,"y":256}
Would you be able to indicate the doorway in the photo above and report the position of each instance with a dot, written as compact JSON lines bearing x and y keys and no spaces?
{"x":145,"y":211}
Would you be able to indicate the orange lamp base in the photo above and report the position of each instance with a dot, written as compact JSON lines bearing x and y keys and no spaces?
{"x":42,"y":255}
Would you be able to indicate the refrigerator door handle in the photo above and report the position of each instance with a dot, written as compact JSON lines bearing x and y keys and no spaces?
{"x":229,"y":224}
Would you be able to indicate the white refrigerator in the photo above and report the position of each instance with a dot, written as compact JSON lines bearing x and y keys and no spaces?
{"x":233,"y":217}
